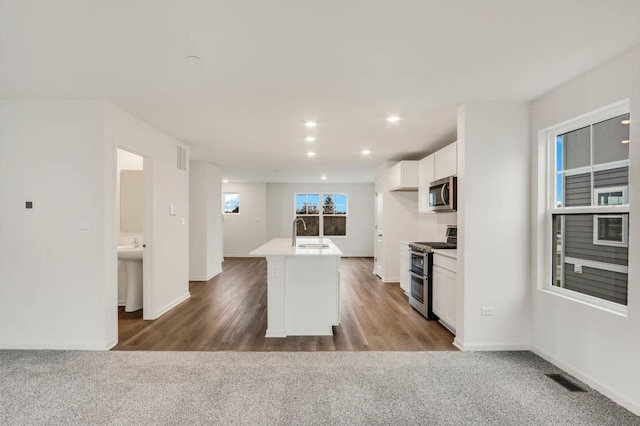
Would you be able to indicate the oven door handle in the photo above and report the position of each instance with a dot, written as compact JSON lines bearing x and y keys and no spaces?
{"x":416,"y":275}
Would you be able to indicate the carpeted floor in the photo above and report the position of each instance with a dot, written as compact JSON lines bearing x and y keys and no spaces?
{"x":226,"y":388}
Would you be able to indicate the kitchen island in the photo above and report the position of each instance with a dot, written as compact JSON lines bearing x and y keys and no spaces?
{"x":303,"y":286}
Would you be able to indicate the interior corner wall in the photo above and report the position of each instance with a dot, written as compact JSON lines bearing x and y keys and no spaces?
{"x":493,"y":225}
{"x":168,"y":239}
{"x":597,"y":346}
{"x":246,"y":231}
{"x":360,"y":213}
{"x":205,"y":217}
{"x":53,"y":275}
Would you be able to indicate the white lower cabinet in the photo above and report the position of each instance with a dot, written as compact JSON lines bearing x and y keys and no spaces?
{"x":404,"y":266}
{"x":444,"y":290}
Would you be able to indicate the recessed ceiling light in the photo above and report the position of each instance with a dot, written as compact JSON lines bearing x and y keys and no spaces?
{"x":366,"y":151}
{"x":225,"y":181}
{"x":311,"y":154}
{"x":323,"y":177}
{"x":393,"y":119}
{"x":310,"y":139}
{"x":310,"y":124}
{"x":194,"y":59}
{"x":626,"y":122}
{"x":625,"y":141}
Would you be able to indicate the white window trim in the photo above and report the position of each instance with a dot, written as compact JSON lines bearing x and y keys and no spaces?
{"x":625,"y":231}
{"x":223,"y":208}
{"x":549,"y":137}
{"x":611,"y":267}
{"x":321,"y":214}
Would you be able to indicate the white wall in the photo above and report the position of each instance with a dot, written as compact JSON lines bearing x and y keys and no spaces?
{"x":53,"y":278}
{"x":493,"y":225}
{"x":246,"y":231}
{"x":166,"y":236}
{"x":599,"y":347}
{"x":359,"y":240}
{"x":205,"y":228}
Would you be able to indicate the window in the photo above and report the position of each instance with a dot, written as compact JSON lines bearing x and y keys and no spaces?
{"x":231,"y":203}
{"x":324,"y":214}
{"x":610,"y":230}
{"x":589,"y":207}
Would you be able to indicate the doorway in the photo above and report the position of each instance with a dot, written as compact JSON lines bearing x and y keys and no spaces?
{"x":132,"y":213}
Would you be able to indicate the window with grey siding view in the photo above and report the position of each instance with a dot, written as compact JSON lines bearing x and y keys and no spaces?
{"x":590,"y":249}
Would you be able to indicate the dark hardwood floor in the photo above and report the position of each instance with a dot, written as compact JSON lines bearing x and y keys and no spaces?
{"x":229,"y":313}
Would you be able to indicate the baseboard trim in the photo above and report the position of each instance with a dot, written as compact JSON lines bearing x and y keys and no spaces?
{"x":616,"y":397}
{"x":70,"y":346}
{"x":208,"y":277}
{"x":390,"y":280}
{"x":276,"y":332}
{"x":477,"y":347}
{"x":458,"y":343}
{"x":166,"y":308}
{"x":240,"y":255}
{"x":111,"y":344}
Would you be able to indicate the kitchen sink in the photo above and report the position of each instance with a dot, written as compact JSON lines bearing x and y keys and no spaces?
{"x":313,"y":246}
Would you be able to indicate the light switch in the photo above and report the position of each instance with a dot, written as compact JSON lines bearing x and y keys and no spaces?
{"x":172,"y":210}
{"x":577,"y":268}
{"x":84,"y":226}
{"x":183,"y":221}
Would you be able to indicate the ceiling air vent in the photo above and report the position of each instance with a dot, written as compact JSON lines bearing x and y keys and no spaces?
{"x":182,"y":158}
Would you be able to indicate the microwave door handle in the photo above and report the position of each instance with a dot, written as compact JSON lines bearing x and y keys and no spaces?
{"x":444,"y":186}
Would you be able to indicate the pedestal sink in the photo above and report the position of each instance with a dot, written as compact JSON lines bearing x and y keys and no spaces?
{"x":132,"y":259}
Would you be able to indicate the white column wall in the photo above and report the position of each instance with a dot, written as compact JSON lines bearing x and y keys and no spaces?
{"x":493,"y":225}
{"x":599,"y":347}
{"x":205,"y":230}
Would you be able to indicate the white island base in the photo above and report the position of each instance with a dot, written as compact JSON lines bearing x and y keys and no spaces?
{"x":303,"y":287}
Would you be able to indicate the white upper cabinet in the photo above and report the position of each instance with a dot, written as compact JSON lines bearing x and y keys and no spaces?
{"x":446,"y":162}
{"x":403,"y":176}
{"x":426,"y":175}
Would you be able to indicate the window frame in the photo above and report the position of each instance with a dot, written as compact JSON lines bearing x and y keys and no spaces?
{"x":625,"y":231}
{"x":321,"y":213}
{"x":549,"y":136}
{"x":223,"y":203}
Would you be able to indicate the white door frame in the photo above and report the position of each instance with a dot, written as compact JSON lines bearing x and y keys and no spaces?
{"x":378,"y":248}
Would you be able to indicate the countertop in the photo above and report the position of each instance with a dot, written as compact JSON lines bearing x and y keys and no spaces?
{"x":282,"y":247}
{"x":453,"y":254}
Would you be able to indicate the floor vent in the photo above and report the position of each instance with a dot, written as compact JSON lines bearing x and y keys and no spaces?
{"x":566,"y":383}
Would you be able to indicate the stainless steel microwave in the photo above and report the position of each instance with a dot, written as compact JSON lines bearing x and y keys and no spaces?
{"x":442,"y":195}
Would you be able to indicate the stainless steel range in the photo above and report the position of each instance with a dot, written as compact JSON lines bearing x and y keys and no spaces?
{"x":421,"y":272}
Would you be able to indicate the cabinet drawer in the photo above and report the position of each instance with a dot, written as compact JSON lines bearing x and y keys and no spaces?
{"x":445,"y":262}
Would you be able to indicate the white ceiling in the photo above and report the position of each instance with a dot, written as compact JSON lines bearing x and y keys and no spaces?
{"x":267,"y":66}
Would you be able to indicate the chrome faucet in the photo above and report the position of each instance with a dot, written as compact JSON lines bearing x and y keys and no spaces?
{"x":294,"y":234}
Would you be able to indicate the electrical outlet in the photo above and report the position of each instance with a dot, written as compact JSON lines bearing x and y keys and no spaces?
{"x":486,"y":311}
{"x":577,"y":268}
